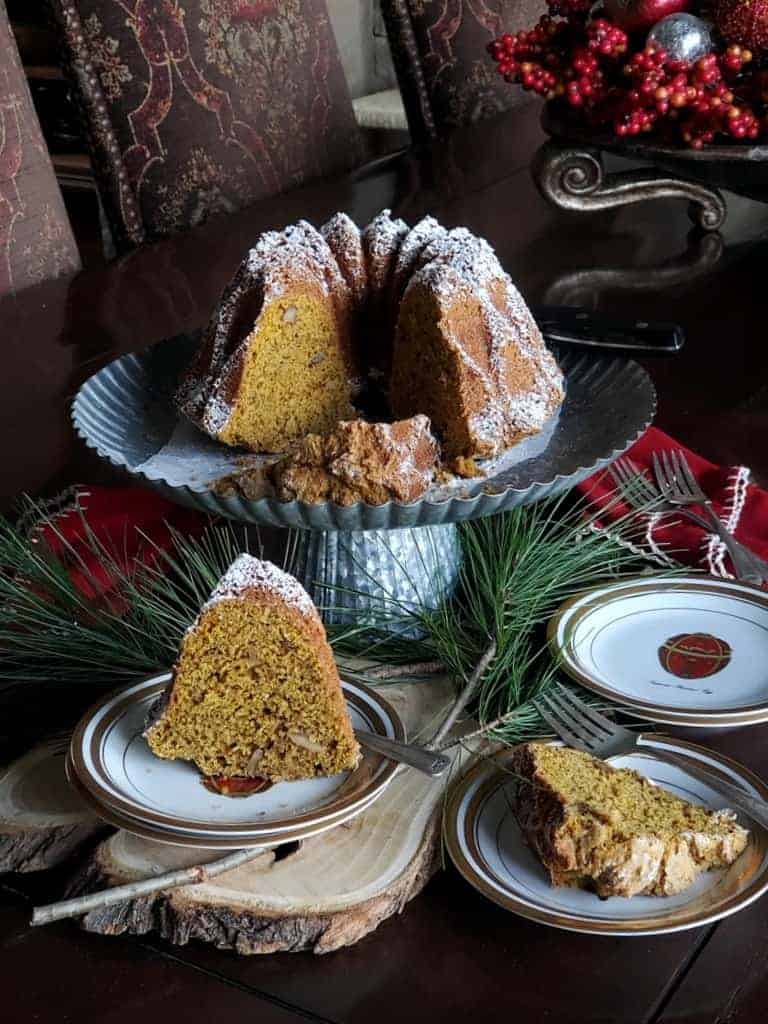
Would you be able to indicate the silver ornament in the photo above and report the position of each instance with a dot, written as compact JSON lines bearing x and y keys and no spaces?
{"x":682,"y":37}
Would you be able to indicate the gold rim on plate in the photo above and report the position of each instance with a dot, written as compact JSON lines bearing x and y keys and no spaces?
{"x":203,"y":841}
{"x":476,"y":870}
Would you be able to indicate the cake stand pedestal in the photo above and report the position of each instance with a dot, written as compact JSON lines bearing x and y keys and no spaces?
{"x":376,"y":577}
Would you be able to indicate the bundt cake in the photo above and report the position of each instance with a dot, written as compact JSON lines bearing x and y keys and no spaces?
{"x":276,"y":360}
{"x":468,"y":353}
{"x":611,"y":830}
{"x":359,"y":461}
{"x":255,"y":691}
{"x":320,"y":327}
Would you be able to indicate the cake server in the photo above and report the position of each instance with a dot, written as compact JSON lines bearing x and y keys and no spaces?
{"x":580,"y":726}
{"x":571,"y":325}
{"x":423,"y":760}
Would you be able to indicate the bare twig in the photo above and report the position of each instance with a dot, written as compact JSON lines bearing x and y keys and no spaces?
{"x":414,"y":668}
{"x":463,"y":698}
{"x":119,"y":893}
{"x":483,"y":730}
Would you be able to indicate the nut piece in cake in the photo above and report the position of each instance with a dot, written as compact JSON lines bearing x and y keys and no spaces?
{"x":611,"y":830}
{"x":256,"y":691}
{"x":360,"y":461}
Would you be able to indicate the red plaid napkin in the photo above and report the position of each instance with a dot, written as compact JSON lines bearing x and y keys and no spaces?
{"x":129,"y":522}
{"x":742,"y":507}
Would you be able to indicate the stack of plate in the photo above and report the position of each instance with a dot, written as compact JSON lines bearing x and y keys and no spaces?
{"x":113,"y":769}
{"x":683,"y":650}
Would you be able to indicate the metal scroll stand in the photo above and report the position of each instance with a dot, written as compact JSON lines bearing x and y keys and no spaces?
{"x":569,"y":171}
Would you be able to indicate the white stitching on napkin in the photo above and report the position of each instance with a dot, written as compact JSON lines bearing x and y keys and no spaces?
{"x":714,"y":549}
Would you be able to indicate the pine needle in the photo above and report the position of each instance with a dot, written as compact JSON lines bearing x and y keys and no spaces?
{"x":517,"y":568}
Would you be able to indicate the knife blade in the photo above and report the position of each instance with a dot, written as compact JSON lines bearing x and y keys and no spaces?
{"x":572,"y":325}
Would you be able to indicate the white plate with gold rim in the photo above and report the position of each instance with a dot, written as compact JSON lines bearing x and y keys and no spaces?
{"x":205,"y":840}
{"x":486,"y":845}
{"x":685,"y":650}
{"x":113,"y":762}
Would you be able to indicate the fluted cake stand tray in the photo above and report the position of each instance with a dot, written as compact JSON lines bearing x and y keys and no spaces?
{"x":360,"y":562}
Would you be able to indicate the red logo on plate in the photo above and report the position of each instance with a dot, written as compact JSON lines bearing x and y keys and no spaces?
{"x":694,"y":655}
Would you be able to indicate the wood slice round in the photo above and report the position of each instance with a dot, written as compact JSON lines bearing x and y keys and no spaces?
{"x":42,"y":820}
{"x":319,"y":895}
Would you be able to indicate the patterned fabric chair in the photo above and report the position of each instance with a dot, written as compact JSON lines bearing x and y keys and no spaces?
{"x":438,"y":46}
{"x":36,"y":242}
{"x":198,"y":107}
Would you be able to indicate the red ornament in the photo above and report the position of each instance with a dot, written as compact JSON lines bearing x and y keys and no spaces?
{"x":694,"y":655}
{"x":744,"y":22}
{"x":635,"y":15}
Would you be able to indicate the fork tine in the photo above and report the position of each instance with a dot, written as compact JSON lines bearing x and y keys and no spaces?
{"x":643,"y":487}
{"x":635,"y":488}
{"x":669,"y":469}
{"x":565,"y":734}
{"x":687,"y":472}
{"x":661,"y":479}
{"x":574,"y":718}
{"x":599,"y":721}
{"x":681,"y":479}
{"x":621,"y":473}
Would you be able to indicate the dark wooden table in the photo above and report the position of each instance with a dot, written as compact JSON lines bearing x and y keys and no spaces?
{"x":451,"y":955}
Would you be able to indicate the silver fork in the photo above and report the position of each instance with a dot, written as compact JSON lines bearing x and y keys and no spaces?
{"x":638,"y":492}
{"x":579,"y":725}
{"x":427,"y":761}
{"x":680,"y":487}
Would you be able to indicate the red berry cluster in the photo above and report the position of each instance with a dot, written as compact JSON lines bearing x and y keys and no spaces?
{"x":698,"y":98}
{"x":585,"y":64}
{"x":557,"y":59}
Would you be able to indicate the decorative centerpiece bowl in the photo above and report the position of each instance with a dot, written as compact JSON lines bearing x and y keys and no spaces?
{"x":362,"y":560}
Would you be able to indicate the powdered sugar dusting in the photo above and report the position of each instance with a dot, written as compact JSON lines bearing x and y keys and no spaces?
{"x":346,"y":243}
{"x":247,"y":572}
{"x":459,"y":264}
{"x":381,"y":240}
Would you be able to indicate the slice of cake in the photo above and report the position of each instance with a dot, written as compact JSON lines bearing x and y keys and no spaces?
{"x":360,"y":461}
{"x":611,"y":830}
{"x":255,"y":691}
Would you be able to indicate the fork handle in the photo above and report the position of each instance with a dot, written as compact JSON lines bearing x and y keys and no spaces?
{"x":427,"y":761}
{"x":756,"y":809}
{"x":759,"y":564}
{"x":745,"y":570}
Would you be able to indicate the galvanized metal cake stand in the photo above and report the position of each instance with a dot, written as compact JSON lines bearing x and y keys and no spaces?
{"x":361,"y":563}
